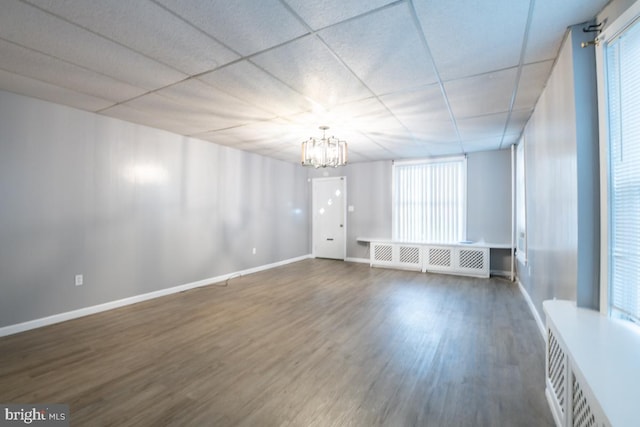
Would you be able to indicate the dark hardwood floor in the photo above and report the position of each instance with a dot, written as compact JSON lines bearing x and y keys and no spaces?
{"x":315,"y":343}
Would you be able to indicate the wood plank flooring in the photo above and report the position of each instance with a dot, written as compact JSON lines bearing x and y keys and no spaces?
{"x":314,"y":343}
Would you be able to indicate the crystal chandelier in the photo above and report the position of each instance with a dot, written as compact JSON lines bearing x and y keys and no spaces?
{"x":324,"y":152}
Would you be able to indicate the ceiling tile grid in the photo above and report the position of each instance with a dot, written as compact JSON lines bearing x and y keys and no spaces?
{"x":395,"y":78}
{"x":32,"y":28}
{"x":146,"y":28}
{"x":245,"y":26}
{"x":384,"y":49}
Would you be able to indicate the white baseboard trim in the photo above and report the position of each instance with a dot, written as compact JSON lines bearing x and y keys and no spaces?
{"x":86,"y":311}
{"x":359,"y":260}
{"x":532,"y":307}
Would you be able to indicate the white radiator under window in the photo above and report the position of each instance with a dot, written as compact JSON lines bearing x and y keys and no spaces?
{"x":592,"y":370}
{"x":452,"y":259}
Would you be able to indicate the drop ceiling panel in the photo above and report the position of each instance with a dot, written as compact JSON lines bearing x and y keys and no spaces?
{"x":532,"y":80}
{"x":434,"y":150}
{"x":319,"y":14}
{"x":424,"y":103}
{"x":491,"y":125}
{"x":384,"y":49}
{"x":371,"y":152}
{"x":147,"y":118}
{"x":469,"y":37}
{"x":366,"y":72}
{"x":190,"y":119}
{"x":33,"y":28}
{"x":199,"y":96}
{"x":246,"y":26}
{"x":484,"y":144}
{"x":550,"y":21}
{"x":517,"y":121}
{"x":482,"y":94}
{"x":309,"y":67}
{"x":35,"y":65}
{"x":367,"y":114}
{"x":247,"y":82}
{"x":146,"y":28}
{"x":424,"y":112}
{"x":48,"y":92}
{"x":274,"y":131}
{"x":401,"y":148}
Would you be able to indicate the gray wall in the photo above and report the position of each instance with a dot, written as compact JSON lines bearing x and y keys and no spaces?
{"x":71,"y":203}
{"x":489,"y":196}
{"x":369,"y":191}
{"x":561,"y":145}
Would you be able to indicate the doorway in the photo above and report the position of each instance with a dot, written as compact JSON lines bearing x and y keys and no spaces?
{"x":329,"y":217}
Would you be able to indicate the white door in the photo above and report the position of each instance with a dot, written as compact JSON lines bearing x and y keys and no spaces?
{"x":329,"y":217}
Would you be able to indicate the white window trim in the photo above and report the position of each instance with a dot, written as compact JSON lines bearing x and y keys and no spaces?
{"x":613,"y":30}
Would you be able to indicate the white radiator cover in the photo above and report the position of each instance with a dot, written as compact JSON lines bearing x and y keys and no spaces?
{"x":452,"y":259}
{"x":592,"y":372}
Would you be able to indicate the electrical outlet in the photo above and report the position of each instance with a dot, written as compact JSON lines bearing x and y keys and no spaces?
{"x":79,"y":280}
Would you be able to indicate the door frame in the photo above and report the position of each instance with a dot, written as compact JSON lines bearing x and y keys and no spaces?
{"x":313,"y":213}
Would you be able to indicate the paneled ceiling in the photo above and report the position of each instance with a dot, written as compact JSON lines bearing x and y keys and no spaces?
{"x":396,"y":79}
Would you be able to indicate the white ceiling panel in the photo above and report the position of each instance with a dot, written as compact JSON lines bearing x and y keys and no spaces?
{"x":469,"y":37}
{"x":485,"y":144}
{"x":423,"y":111}
{"x":491,"y":125}
{"x":147,"y":118}
{"x":247,"y":82}
{"x":310,"y":68}
{"x":246,"y":26}
{"x":550,"y":21}
{"x":518,"y":120}
{"x":319,"y":14}
{"x":48,"y":92}
{"x":146,"y":28}
{"x":367,"y":114}
{"x":384,"y":49}
{"x":440,"y":150}
{"x":253,"y":133}
{"x":261,"y":76}
{"x":199,"y":96}
{"x":482,"y":94}
{"x":164,"y":109}
{"x":403,"y":148}
{"x":532,"y":81}
{"x":32,"y":28}
{"x":29,"y":63}
{"x":422,"y":103}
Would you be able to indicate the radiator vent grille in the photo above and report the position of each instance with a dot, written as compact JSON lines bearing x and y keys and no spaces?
{"x":582,"y":414}
{"x":472,"y":259}
{"x":410,"y":254}
{"x":556,"y":365}
{"x":383,"y":253}
{"x":440,"y":257}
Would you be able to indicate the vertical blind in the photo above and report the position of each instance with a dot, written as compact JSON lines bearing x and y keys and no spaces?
{"x":429,"y":201}
{"x":521,"y":212}
{"x":623,"y":99}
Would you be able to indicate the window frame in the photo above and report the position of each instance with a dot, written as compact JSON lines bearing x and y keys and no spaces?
{"x":616,"y":28}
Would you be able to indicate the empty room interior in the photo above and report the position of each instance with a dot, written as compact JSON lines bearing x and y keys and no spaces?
{"x":320,"y":213}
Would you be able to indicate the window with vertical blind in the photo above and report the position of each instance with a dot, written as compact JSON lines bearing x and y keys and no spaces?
{"x":622,"y":60}
{"x":429,"y":200}
{"x":521,"y":211}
